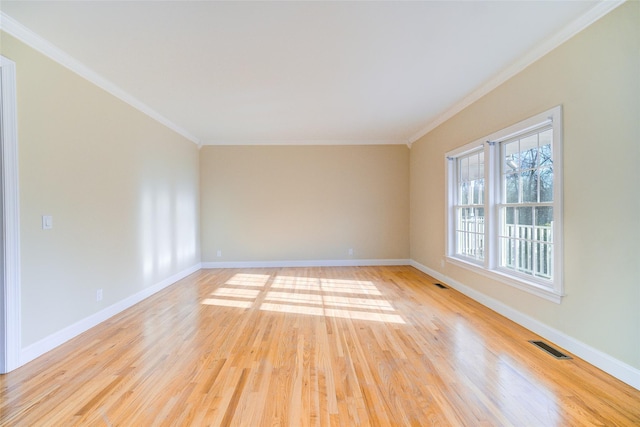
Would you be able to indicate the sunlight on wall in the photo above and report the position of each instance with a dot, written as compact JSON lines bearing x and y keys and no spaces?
{"x":167,"y":231}
{"x":305,"y":295}
{"x":163,"y":230}
{"x":185,"y":230}
{"x":147,"y":235}
{"x":156,"y":228}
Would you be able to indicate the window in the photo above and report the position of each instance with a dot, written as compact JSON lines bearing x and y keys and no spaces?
{"x":526,"y":210}
{"x":504,"y":214}
{"x":469,"y":206}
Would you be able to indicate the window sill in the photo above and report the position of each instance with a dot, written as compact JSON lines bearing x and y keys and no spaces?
{"x":524,"y":285}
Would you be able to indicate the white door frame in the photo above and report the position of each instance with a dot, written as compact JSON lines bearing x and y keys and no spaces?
{"x":10,"y":343}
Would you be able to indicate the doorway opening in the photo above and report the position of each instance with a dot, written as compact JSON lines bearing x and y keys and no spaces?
{"x":9,"y":221}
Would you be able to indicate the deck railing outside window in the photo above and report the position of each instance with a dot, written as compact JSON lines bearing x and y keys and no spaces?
{"x":527,"y":249}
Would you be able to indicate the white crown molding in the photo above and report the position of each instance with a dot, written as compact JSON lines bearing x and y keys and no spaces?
{"x":597,"y":358}
{"x":56,"y":339}
{"x":591,"y":16}
{"x":25,"y":35}
{"x":310,"y":142}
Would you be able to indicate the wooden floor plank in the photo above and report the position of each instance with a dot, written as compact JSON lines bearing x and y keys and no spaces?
{"x":337,"y":346}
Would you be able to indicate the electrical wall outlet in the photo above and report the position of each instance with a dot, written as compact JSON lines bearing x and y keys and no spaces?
{"x":219,"y":253}
{"x":350,"y":251}
{"x":99,"y":295}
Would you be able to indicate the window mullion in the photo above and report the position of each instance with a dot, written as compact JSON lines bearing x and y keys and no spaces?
{"x":492,"y":199}
{"x":452,"y":195}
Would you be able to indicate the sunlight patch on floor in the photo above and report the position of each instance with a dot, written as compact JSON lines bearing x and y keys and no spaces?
{"x":251,"y":280}
{"x":306,"y":295}
{"x":325,"y":285}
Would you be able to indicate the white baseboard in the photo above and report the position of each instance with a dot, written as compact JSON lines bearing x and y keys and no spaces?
{"x":306,"y":263}
{"x":46,"y":344}
{"x":597,"y":358}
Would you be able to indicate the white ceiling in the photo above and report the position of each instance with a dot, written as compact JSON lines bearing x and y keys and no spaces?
{"x":300,"y":72}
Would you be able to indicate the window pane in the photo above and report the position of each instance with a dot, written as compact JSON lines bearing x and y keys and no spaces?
{"x":545,"y":138}
{"x":461,"y":218}
{"x":512,"y":188}
{"x":469,"y":220}
{"x":460,"y":243}
{"x":544,"y":237}
{"x":529,"y":152}
{"x":512,"y":156}
{"x":470,"y":232}
{"x":524,"y":221}
{"x":546,"y":184}
{"x":466,"y":218}
{"x":526,"y":244}
{"x":510,"y":219}
{"x":480,"y":166}
{"x":463,"y":166}
{"x":478,"y":192}
{"x":524,"y":259}
{"x":508,"y":252}
{"x":464,"y":193}
{"x":524,"y":216}
{"x":479,"y":212}
{"x":544,"y":216}
{"x":477,"y":220}
{"x":544,"y":260}
{"x":529,"y":186}
{"x":474,"y":161}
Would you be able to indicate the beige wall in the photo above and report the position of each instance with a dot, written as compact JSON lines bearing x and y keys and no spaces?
{"x":281,"y":203}
{"x":122,"y":190}
{"x":596,"y":77}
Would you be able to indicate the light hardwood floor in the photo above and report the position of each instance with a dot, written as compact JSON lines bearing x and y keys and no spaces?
{"x":310,"y":346}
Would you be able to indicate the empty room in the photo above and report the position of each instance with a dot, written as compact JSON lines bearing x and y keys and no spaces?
{"x":320,"y":213}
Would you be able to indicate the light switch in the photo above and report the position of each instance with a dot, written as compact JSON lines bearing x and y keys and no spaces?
{"x":47,"y":222}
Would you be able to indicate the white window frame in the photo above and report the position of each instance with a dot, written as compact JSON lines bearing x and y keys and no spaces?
{"x":456,"y":204}
{"x":551,"y":289}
